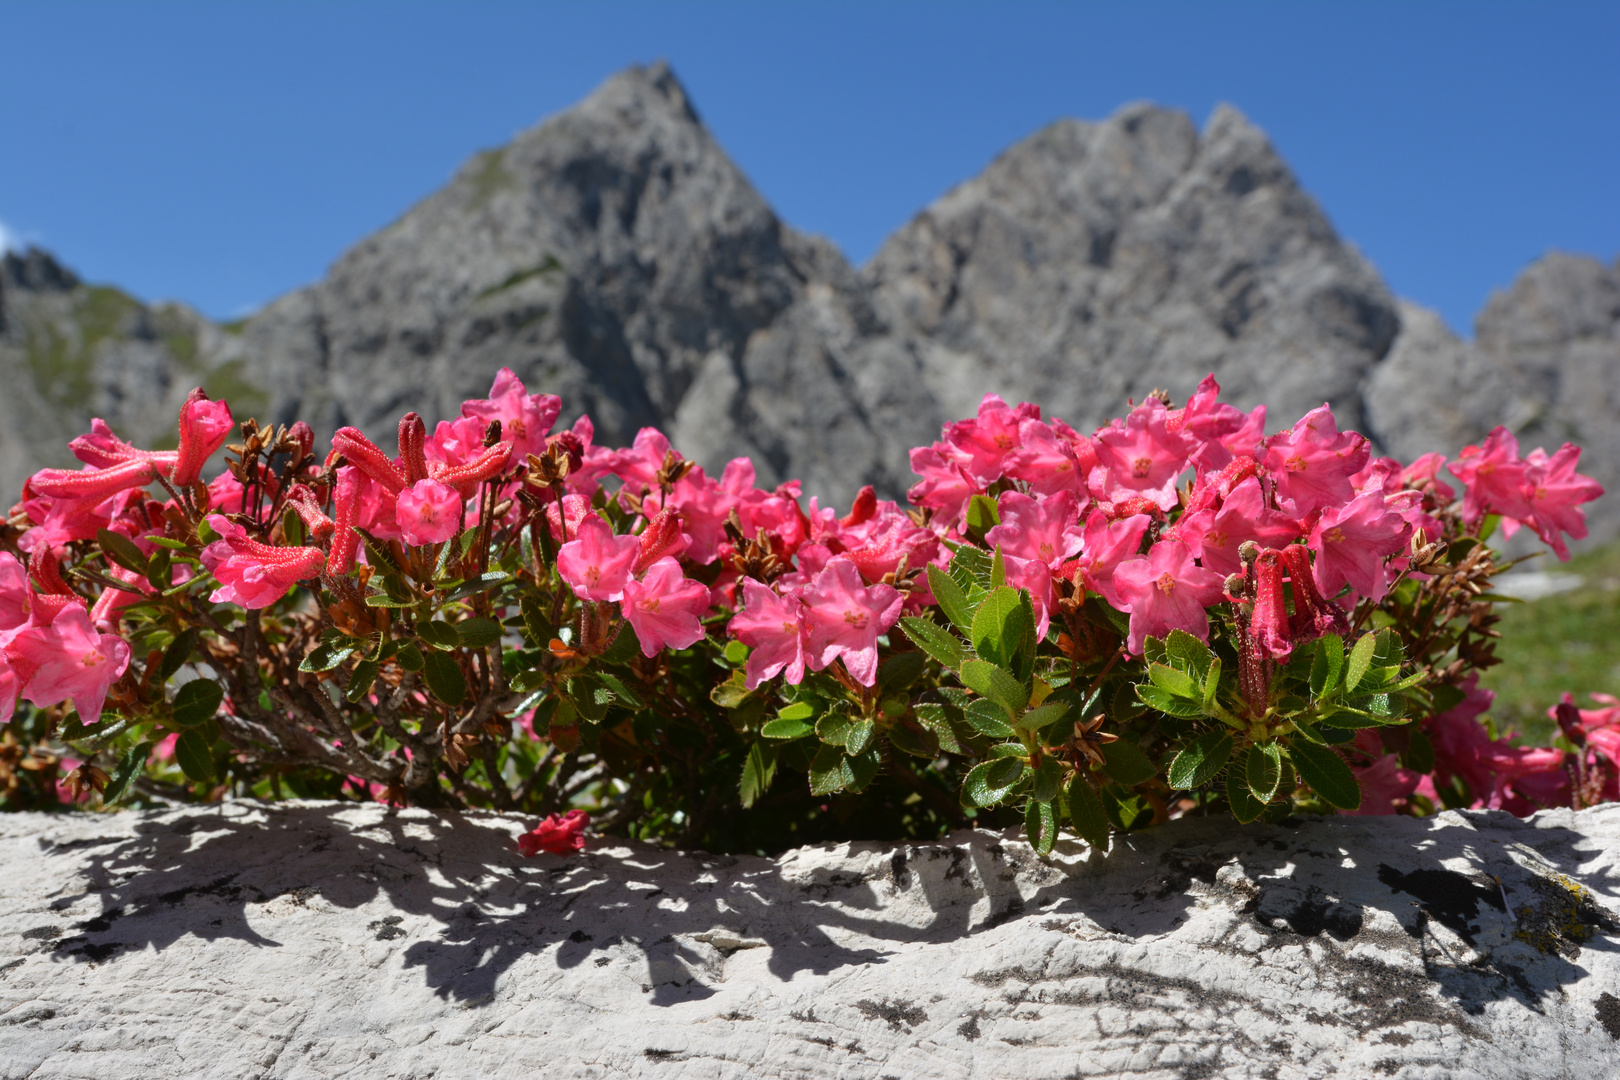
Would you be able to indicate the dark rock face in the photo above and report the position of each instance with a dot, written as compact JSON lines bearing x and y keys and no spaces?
{"x":614,"y":255}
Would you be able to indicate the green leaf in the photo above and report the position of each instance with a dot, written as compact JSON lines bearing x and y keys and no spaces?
{"x":327,"y":657}
{"x":799,"y":710}
{"x":1419,"y":753}
{"x":197,"y":701}
{"x":176,"y":655}
{"x":1044,"y":716}
{"x":1327,"y":665}
{"x":478,"y":633}
{"x":1361,"y":658}
{"x":1048,"y":779}
{"x":165,"y":542}
{"x":523,"y":682}
{"x":195,"y":756}
{"x":1126,"y":763}
{"x":1245,"y":807}
{"x":863,"y":768}
{"x":736,"y":653}
{"x":987,"y":718}
{"x":783,"y":728}
{"x":841,"y":729}
{"x":1199,"y":761}
{"x":536,"y":626}
{"x":995,"y":683}
{"x":621,"y":693}
{"x":131,"y":763}
{"x":900,"y":671}
{"x":916,"y":740}
{"x":590,"y":695}
{"x":1166,"y":702}
{"x":1041,"y":825}
{"x":731,"y":693}
{"x":1125,"y":809}
{"x":361,"y":678}
{"x":942,"y":721}
{"x":952,"y":601}
{"x":439,"y":634}
{"x":1262,"y":770}
{"x":997,"y":628}
{"x":122,"y":550}
{"x":1326,"y":772}
{"x":1154,"y":651}
{"x":830,"y":771}
{"x":758,"y":771}
{"x":1446,"y":698}
{"x":1086,"y":812}
{"x":1177,"y":682}
{"x":998,"y":569}
{"x":988,"y":782}
{"x":1212,"y":684}
{"x":934,"y":640}
{"x":1188,"y":654}
{"x":157,"y":571}
{"x":982,"y":515}
{"x":971,"y":569}
{"x":444,"y":678}
{"x":409,"y":657}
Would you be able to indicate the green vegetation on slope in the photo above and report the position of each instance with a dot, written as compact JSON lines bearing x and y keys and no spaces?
{"x":1568,"y":641}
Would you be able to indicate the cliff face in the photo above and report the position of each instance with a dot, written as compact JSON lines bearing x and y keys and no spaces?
{"x":614,"y":255}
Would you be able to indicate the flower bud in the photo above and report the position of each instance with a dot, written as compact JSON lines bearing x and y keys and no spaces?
{"x":863,"y":509}
{"x":346,"y":504}
{"x":365,"y":455}
{"x":662,"y":535}
{"x":204,"y":427}
{"x":412,"y":444}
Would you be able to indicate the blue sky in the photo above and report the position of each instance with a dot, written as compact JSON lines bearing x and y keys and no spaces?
{"x":224,"y":153}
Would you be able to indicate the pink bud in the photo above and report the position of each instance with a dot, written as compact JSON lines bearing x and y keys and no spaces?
{"x":204,"y":427}
{"x":412,"y":443}
{"x":663,"y":532}
{"x":466,"y":478}
{"x":346,"y":504}
{"x":366,"y":456}
{"x":95,"y":484}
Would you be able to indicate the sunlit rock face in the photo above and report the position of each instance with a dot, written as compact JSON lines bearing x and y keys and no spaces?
{"x":615,"y":255}
{"x":340,"y":940}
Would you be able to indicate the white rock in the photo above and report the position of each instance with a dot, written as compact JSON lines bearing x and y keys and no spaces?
{"x":322,"y":940}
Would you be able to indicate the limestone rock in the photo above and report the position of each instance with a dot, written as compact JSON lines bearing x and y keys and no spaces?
{"x":314,"y":940}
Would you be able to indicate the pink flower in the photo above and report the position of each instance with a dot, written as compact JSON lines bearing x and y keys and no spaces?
{"x":1215,"y":535}
{"x":985,"y":442}
{"x":428,"y":512}
{"x":1493,"y":479}
{"x":1164,"y":591}
{"x":665,"y":608}
{"x":1140,"y":457}
{"x":1107,"y":544}
{"x":252,"y":574}
{"x":16,"y":597}
{"x":1050,"y":464}
{"x":558,"y":834}
{"x":90,"y":484}
{"x":1311,"y":463}
{"x":945,"y":488}
{"x":1351,"y":543}
{"x":1048,"y":530}
{"x":1424,"y":475}
{"x":525,"y":418}
{"x":1555,"y":492}
{"x":70,"y":661}
{"x":773,"y":628}
{"x":843,"y":619}
{"x":597,"y":564}
{"x":204,"y":427}
{"x":639,"y":465}
{"x":102,"y":449}
{"x":563,"y":518}
{"x":1385,"y":786}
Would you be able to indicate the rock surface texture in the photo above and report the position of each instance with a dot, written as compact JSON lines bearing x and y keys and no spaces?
{"x":322,"y":940}
{"x":615,"y":255}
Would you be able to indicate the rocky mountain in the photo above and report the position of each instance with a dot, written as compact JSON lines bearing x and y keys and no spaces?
{"x":615,"y":255}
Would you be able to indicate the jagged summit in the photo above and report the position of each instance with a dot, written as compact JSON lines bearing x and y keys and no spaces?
{"x":615,"y":255}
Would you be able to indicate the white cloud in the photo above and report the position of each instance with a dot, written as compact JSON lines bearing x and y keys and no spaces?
{"x":9,"y":240}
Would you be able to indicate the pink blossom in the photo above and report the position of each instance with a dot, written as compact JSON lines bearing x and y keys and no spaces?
{"x":985,"y":441}
{"x":1493,"y":477}
{"x":1555,"y":492}
{"x":639,"y":465}
{"x":1140,"y":457}
{"x":885,"y":542}
{"x":563,"y":518}
{"x":1107,"y":544}
{"x":665,"y":608}
{"x":705,"y":504}
{"x":252,"y":574}
{"x":1351,"y":543}
{"x":1215,"y":535}
{"x":1048,"y":530}
{"x":773,"y":628}
{"x":558,"y":834}
{"x":843,"y":619}
{"x":70,"y":660}
{"x":597,"y":564}
{"x":525,"y":418}
{"x":1385,"y":786}
{"x":1311,"y":463}
{"x":1164,"y":591}
{"x":204,"y":427}
{"x":1424,"y":475}
{"x":16,"y":597}
{"x":428,"y":512}
{"x":945,"y":487}
{"x":1048,"y":463}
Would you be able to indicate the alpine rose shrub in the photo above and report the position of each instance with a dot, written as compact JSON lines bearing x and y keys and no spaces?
{"x":1175,"y":613}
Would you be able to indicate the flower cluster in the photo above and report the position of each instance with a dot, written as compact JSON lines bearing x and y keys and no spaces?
{"x":1104,"y":628}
